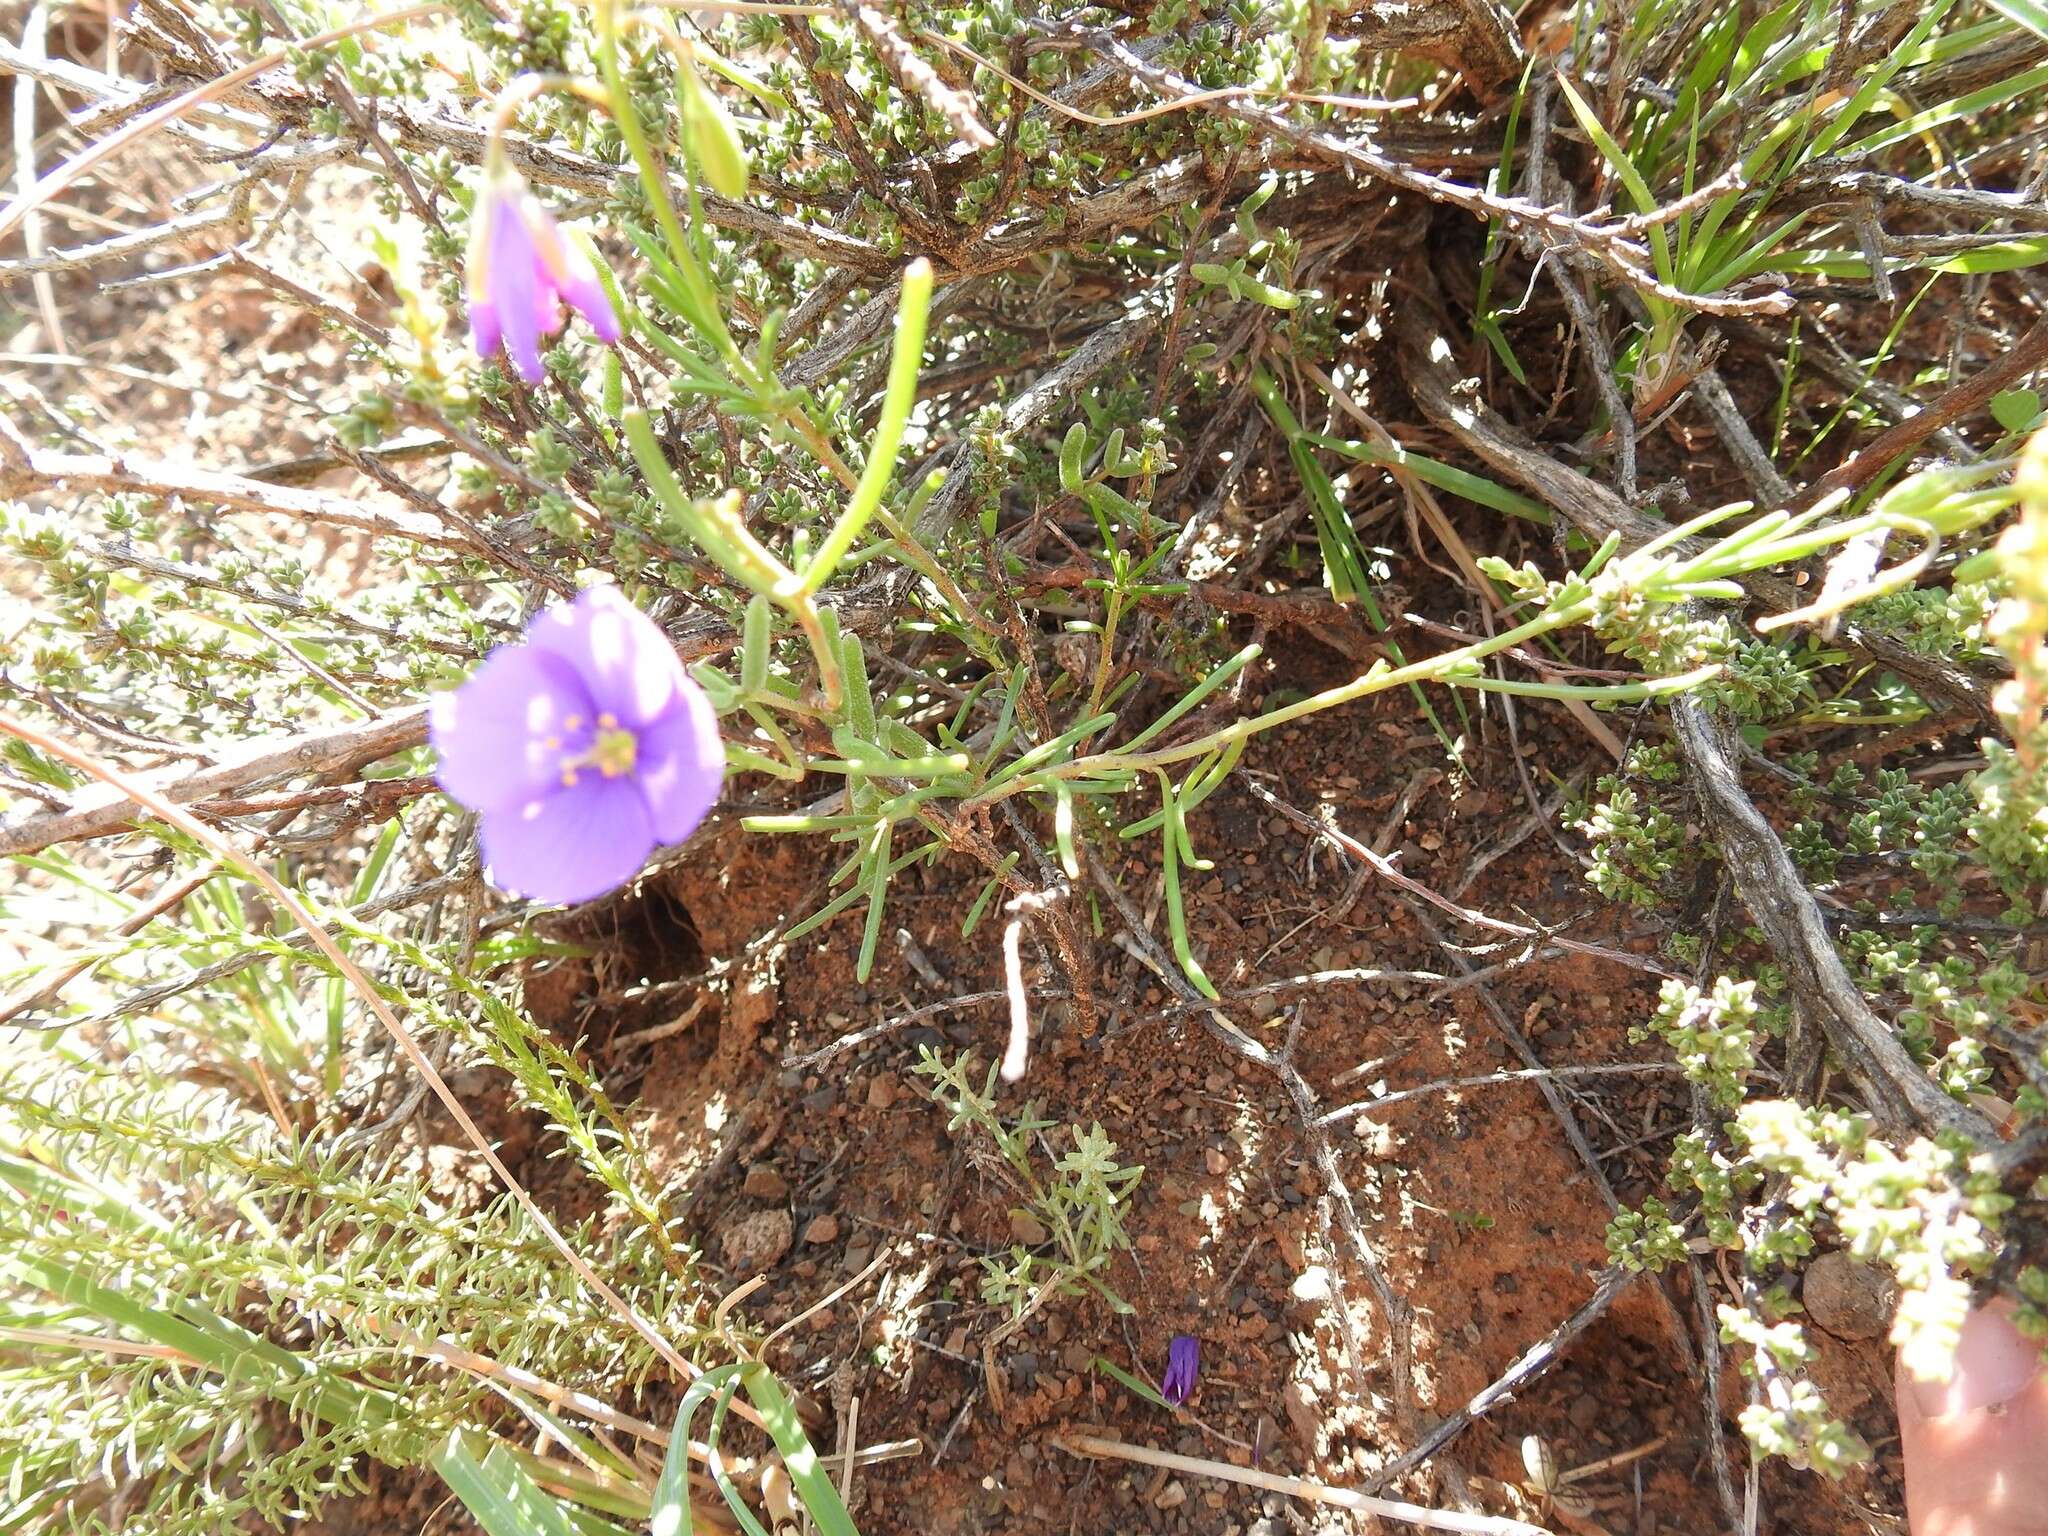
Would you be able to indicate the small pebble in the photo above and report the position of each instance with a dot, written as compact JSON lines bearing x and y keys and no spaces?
{"x":1848,"y":1298}
{"x":822,"y":1229}
{"x":764,"y":1183}
{"x":756,"y":1240}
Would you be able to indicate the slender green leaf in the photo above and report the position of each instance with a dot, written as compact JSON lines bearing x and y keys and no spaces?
{"x":498,"y":1493}
{"x":2031,"y":14}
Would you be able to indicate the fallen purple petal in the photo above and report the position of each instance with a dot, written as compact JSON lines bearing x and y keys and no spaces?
{"x":1183,"y":1362}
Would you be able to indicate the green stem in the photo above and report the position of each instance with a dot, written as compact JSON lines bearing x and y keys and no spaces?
{"x":628,"y":117}
{"x":912,"y":309}
{"x":1378,"y":679}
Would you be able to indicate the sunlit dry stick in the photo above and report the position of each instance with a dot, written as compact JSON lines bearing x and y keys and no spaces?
{"x":917,"y":78}
{"x":1305,"y":1489}
{"x":35,"y":33}
{"x":1161,"y":109}
{"x":815,"y":1307}
{"x":39,"y":264}
{"x":1447,"y":1084}
{"x":65,"y":1338}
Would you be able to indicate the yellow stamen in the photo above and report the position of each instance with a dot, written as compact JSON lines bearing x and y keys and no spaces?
{"x":608,"y":721}
{"x":615,"y":752}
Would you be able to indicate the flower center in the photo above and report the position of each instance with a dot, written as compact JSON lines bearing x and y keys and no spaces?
{"x":614,"y":751}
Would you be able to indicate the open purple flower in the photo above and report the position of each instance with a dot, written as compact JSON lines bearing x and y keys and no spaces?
{"x":581,"y":748}
{"x":1183,"y":1361}
{"x":520,"y":272}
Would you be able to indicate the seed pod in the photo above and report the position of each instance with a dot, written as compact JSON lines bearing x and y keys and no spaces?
{"x":714,"y":137}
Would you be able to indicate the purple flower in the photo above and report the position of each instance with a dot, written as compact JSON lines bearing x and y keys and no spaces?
{"x":1183,"y":1360}
{"x":581,"y":747}
{"x":520,"y":271}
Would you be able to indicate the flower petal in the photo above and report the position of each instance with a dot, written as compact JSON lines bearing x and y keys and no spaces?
{"x":627,"y":664}
{"x":520,"y":287}
{"x":681,"y":765}
{"x":484,"y":329}
{"x":569,"y":268}
{"x":492,"y":733}
{"x":586,"y":293}
{"x":572,"y":845}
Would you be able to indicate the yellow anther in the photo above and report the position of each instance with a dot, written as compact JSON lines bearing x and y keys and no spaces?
{"x":612,"y":752}
{"x":615,"y":752}
{"x":572,"y":722}
{"x":608,"y":721}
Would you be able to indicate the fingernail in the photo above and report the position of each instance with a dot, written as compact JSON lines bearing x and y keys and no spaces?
{"x":1994,"y":1363}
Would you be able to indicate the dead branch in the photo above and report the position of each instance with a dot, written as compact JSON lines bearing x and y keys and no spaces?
{"x":359,"y":800}
{"x":1303,"y":1488}
{"x":1825,"y":998}
{"x":1367,"y":1107}
{"x":104,"y":810}
{"x":1394,"y":1310}
{"x":2023,"y":357}
{"x":1534,"y":1361}
{"x":79,"y":258}
{"x":26,"y":470}
{"x":1585,"y":242}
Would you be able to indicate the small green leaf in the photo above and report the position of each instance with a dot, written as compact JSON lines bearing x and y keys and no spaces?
{"x":754,"y":646}
{"x":1073,"y":454}
{"x":2016,"y":409}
